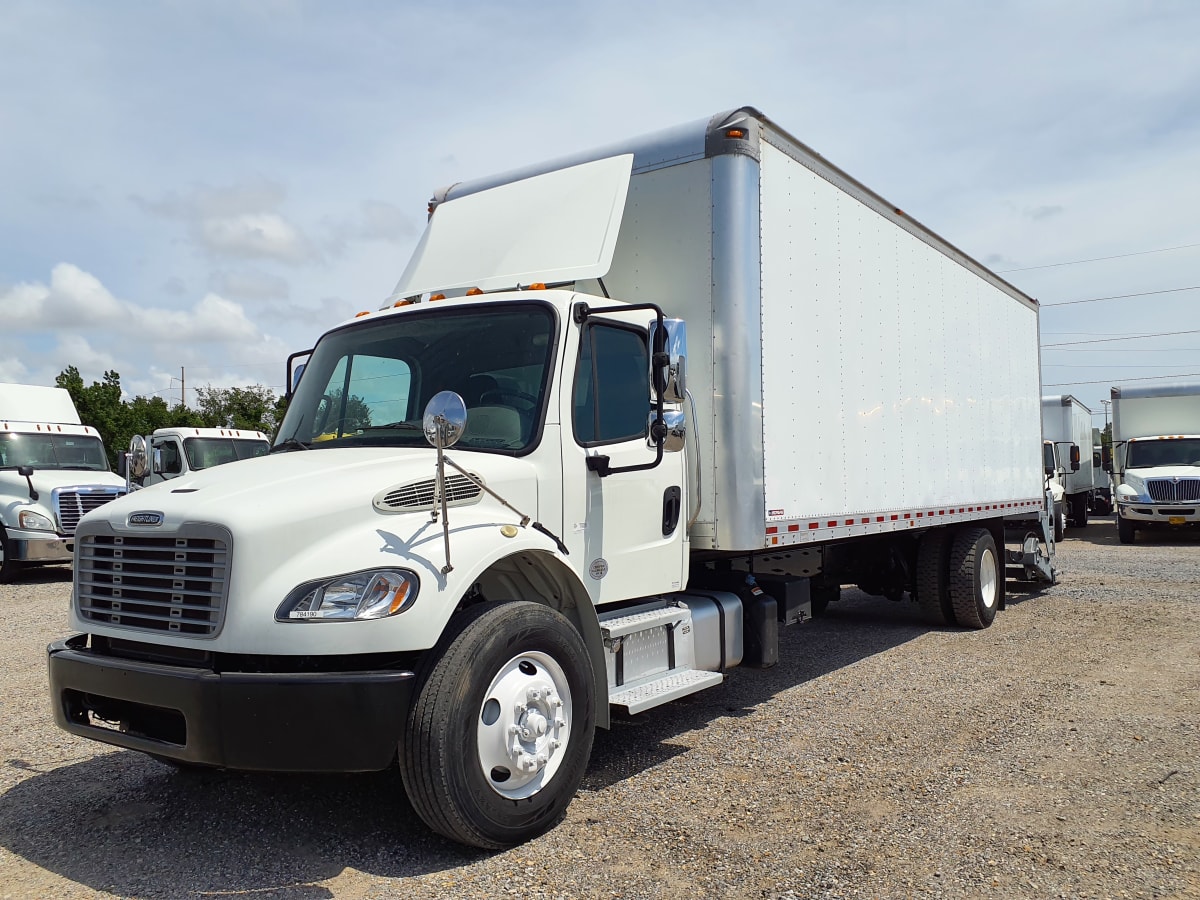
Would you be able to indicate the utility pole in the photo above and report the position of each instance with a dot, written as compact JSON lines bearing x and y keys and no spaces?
{"x":182,"y":389}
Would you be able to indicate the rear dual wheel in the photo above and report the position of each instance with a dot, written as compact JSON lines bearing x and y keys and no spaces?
{"x":958,"y":577}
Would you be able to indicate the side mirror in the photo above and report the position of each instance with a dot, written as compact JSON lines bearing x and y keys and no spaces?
{"x":668,"y":372}
{"x":122,"y":464}
{"x":294,"y":371}
{"x":674,"y":432}
{"x":138,"y":459}
{"x":1074,"y":457}
{"x":26,"y":472}
{"x":1106,"y":458}
{"x":1051,"y":471}
{"x":445,"y":418}
{"x":156,"y":461}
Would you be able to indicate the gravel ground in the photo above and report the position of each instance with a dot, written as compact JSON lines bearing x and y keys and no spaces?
{"x":1051,"y":755}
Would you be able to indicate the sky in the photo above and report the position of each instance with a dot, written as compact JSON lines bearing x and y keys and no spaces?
{"x":190,"y":191}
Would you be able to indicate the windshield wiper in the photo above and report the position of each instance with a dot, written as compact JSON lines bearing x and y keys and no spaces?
{"x":403,"y":426}
{"x":290,"y":444}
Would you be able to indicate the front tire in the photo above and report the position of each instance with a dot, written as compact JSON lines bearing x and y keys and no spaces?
{"x":975,"y":578}
{"x":8,"y":563}
{"x":1125,"y":530}
{"x":500,"y":731}
{"x":1060,"y":523}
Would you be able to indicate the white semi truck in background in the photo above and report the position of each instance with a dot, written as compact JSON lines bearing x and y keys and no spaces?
{"x":624,"y":417}
{"x":1156,"y":457}
{"x":1067,"y":423}
{"x":53,"y":470}
{"x":177,"y":452}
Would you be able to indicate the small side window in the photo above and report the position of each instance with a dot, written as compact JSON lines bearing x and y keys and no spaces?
{"x":172,"y":461}
{"x":611,"y":391}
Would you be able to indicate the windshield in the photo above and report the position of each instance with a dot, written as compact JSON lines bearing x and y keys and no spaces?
{"x":1166,"y":452}
{"x":203,"y":452}
{"x":368,"y":384}
{"x":52,"y":451}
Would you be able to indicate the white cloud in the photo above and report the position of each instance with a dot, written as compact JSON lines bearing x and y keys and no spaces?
{"x":255,"y":236}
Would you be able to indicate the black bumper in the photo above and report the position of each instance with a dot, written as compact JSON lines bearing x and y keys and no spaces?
{"x":274,"y":722}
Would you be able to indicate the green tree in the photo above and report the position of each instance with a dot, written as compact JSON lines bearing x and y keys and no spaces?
{"x":254,"y":407}
{"x":100,"y":406}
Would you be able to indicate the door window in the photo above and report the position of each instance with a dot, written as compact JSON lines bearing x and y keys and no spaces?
{"x":612,"y":389}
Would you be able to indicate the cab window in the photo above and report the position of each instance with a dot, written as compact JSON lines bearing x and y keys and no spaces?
{"x":611,"y":391}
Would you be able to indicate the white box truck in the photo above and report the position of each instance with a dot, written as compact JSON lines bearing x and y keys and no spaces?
{"x":1156,"y":457}
{"x":1067,"y":423}
{"x":53,"y":470}
{"x":624,"y":416}
{"x":177,"y":452}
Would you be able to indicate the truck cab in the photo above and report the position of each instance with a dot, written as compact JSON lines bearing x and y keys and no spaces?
{"x":1055,"y":473}
{"x":1159,"y":483}
{"x":178,"y":452}
{"x":53,"y":470}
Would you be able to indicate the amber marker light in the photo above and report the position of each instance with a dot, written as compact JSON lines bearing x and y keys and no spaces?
{"x":365,"y":312}
{"x":474,"y":292}
{"x":538,"y":286}
{"x":433,"y":297}
{"x":735,"y":134}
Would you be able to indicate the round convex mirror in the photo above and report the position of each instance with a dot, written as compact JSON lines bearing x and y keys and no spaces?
{"x":445,"y":413}
{"x":138,"y":457}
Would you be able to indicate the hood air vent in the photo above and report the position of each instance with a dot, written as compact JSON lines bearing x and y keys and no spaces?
{"x":422,"y":495}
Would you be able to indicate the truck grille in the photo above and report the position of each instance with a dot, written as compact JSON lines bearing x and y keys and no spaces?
{"x":161,"y":584}
{"x":1169,"y":490}
{"x":72,"y":503}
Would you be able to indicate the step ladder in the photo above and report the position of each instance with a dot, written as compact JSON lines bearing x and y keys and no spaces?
{"x":649,"y":652}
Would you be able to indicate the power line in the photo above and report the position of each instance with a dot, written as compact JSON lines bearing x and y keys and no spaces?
{"x":1110,"y":380}
{"x":1076,"y":262}
{"x":1124,"y":296}
{"x":1127,"y":337}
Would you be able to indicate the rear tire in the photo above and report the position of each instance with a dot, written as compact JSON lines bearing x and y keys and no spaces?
{"x":933,"y":596}
{"x":975,"y":573}
{"x":1125,"y":530}
{"x":1079,"y":511}
{"x":500,"y":730}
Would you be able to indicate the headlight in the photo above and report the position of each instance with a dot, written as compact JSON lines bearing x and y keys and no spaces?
{"x":375,"y":594}
{"x":34,"y":521}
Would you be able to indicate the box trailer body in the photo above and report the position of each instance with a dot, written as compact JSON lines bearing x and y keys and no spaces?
{"x":1068,"y":424}
{"x":53,"y":470}
{"x":678,"y":390}
{"x":177,"y":452}
{"x":1156,"y":457}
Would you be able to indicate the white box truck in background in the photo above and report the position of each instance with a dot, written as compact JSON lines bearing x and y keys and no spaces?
{"x":1156,"y":457}
{"x":678,"y":392}
{"x":176,"y":452}
{"x":1067,"y":423}
{"x":53,"y":470}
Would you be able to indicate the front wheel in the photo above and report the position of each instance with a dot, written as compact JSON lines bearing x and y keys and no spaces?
{"x":1125,"y":530}
{"x":500,"y":731}
{"x":8,"y":562}
{"x":1060,"y":523}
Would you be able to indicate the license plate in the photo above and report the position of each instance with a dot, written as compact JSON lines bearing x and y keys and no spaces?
{"x":1177,"y":520}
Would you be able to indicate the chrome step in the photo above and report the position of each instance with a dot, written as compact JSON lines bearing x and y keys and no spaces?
{"x":670,"y":686}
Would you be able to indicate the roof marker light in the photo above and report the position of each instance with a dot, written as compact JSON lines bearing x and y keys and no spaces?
{"x":474,"y":292}
{"x":735,"y":134}
{"x":538,"y":286}
{"x":365,"y":312}
{"x":433,"y":297}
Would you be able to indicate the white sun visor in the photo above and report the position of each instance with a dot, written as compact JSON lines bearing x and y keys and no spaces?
{"x":551,"y":228}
